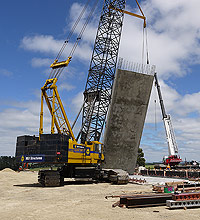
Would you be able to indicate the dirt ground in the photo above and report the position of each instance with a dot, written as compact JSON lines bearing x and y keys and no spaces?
{"x":22,"y":198}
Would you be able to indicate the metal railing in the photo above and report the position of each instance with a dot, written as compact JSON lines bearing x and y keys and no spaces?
{"x":136,"y":67}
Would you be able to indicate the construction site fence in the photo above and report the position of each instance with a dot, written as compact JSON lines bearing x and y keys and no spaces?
{"x":172,"y":173}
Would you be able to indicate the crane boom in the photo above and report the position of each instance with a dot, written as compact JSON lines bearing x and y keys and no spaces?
{"x":172,"y":146}
{"x":97,"y":94}
{"x":164,"y":115}
{"x":173,"y":149}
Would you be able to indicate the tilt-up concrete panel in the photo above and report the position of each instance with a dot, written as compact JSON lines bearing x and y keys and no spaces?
{"x":126,"y":117}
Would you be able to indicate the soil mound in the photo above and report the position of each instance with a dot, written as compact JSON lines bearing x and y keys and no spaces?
{"x":7,"y":170}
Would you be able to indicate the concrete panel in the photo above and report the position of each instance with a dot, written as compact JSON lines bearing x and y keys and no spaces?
{"x":125,"y":121}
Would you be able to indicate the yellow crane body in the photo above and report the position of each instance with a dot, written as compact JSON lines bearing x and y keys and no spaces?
{"x":89,"y":153}
{"x":131,"y":13}
{"x":75,"y":153}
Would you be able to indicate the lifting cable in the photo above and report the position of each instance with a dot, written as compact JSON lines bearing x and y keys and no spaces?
{"x":73,"y":29}
{"x":70,"y":34}
{"x":80,"y":34}
{"x":145,"y":45}
{"x":155,"y":102}
{"x":144,"y":36}
{"x":57,"y":73}
{"x":147,"y":51}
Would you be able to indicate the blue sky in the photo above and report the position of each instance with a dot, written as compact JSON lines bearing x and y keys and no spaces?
{"x":32,"y":33}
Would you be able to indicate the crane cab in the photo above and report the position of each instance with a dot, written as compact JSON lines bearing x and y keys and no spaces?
{"x":172,"y":160}
{"x":88,"y":153}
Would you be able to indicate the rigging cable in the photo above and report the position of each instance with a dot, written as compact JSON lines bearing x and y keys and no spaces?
{"x":155,"y":115}
{"x":79,"y":36}
{"x":155,"y":103}
{"x":73,"y":29}
{"x":143,"y":49}
{"x":144,"y":36}
{"x":71,"y":33}
{"x":147,"y":51}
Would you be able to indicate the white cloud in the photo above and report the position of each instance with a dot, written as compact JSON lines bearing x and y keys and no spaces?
{"x":49,"y":45}
{"x":21,"y":119}
{"x":5,"y":72}
{"x":173,"y":40}
{"x":40,"y":62}
{"x":173,"y":36}
{"x":77,"y":101}
{"x":66,"y":86}
{"x":188,"y":104}
{"x":41,"y":43}
{"x":178,"y":105}
{"x":171,"y":99}
{"x":91,"y":28}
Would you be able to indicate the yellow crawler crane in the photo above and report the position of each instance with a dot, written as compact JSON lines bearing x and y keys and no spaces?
{"x":90,"y":152}
{"x":81,"y":160}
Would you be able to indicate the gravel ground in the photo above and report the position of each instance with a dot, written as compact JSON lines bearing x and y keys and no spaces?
{"x":22,"y":198}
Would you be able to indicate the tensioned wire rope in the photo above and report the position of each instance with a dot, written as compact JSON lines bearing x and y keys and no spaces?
{"x":71,"y":33}
{"x":57,"y":73}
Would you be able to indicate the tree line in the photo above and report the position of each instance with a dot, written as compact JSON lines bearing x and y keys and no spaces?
{"x":9,"y":162}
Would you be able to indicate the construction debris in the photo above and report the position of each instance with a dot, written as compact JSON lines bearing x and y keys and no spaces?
{"x":184,"y":200}
{"x":176,"y":187}
{"x":170,"y":194}
{"x":182,"y":204}
{"x":144,"y":200}
{"x":158,"y":188}
{"x":184,"y":173}
{"x":189,"y":187}
{"x":186,"y":196}
{"x":137,"y":181}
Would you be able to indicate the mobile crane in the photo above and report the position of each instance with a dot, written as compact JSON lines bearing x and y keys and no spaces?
{"x":173,"y":158}
{"x":82,"y":159}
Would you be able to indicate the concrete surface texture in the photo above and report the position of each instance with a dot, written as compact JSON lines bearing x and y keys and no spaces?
{"x":125,"y":121}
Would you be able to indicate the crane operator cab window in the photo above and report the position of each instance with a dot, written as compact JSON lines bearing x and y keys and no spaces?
{"x":98,"y":148}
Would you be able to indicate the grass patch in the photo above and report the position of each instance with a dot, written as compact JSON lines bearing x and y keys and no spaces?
{"x":149,"y":166}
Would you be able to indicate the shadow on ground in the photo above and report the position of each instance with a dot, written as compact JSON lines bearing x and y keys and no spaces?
{"x":65,"y":183}
{"x":29,"y":185}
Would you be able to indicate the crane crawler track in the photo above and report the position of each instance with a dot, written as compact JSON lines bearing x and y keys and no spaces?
{"x":50,"y":178}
